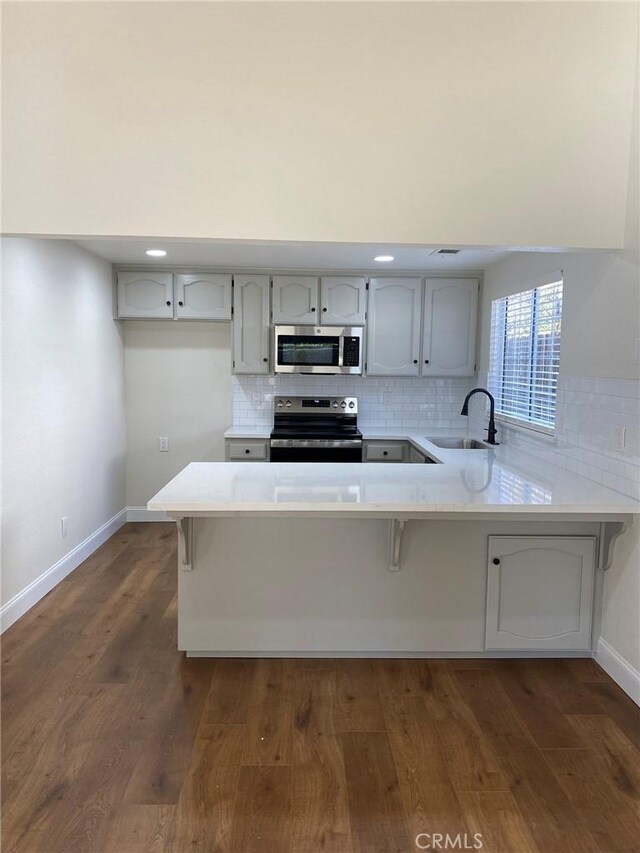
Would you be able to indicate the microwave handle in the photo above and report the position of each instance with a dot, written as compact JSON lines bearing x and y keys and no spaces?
{"x":341,"y":351}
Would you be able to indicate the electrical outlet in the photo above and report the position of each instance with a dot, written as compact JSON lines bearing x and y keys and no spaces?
{"x":619,"y":437}
{"x":163,"y":445}
{"x":256,"y":398}
{"x":64,"y":526}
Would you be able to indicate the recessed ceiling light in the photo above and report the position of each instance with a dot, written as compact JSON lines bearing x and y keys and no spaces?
{"x":156,"y":253}
{"x":383,"y":259}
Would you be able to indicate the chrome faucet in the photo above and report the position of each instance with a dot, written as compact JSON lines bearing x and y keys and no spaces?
{"x":492,"y":424}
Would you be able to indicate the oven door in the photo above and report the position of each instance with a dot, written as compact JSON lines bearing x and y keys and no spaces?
{"x":316,"y":450}
{"x":317,"y":349}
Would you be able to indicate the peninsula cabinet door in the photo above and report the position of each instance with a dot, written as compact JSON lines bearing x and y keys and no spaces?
{"x":343,"y":300}
{"x":449,"y":327}
{"x":540,"y":592}
{"x":145,"y":294}
{"x":203,"y":297}
{"x":251,"y":324}
{"x":393,"y":326}
{"x":295,"y":299}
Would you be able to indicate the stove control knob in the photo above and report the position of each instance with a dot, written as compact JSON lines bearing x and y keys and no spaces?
{"x":280,"y":404}
{"x":288,"y":404}
{"x":351,"y":404}
{"x":335,"y":404}
{"x":343,"y":405}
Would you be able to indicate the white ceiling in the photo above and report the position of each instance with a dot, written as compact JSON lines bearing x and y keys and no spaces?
{"x":240,"y":254}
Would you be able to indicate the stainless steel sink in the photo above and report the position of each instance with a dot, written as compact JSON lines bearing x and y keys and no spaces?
{"x":458,"y":443}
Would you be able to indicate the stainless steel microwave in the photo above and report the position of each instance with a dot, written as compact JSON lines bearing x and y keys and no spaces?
{"x":318,"y":349}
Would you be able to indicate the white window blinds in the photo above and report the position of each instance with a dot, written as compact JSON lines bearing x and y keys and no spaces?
{"x":525,"y":354}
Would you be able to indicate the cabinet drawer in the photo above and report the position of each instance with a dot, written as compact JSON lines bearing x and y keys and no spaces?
{"x":247,"y":451}
{"x":384,"y":452}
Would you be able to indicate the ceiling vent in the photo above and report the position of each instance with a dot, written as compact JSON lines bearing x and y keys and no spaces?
{"x":446,"y":252}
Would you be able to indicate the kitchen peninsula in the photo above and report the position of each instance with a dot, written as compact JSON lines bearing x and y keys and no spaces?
{"x":489,"y":552}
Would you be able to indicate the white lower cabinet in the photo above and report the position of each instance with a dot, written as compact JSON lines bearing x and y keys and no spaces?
{"x":540,"y":592}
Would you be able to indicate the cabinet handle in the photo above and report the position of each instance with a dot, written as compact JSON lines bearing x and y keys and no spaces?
{"x":496,"y":561}
{"x":385,"y":452}
{"x":168,"y":302}
{"x":415,"y":360}
{"x":264,"y":359}
{"x":247,"y":450}
{"x":324,"y":309}
{"x":181,"y":304}
{"x":313,"y":309}
{"x":426,"y":361}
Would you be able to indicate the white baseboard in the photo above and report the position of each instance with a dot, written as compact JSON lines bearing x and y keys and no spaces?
{"x":625,"y":675}
{"x":141,"y":513}
{"x":37,"y":589}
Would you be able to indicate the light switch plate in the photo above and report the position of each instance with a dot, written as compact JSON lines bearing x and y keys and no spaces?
{"x":163,"y":444}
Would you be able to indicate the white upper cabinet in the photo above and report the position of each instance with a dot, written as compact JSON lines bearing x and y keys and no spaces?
{"x":540,"y":592}
{"x":145,"y":294}
{"x":203,"y":297}
{"x":449,"y":327}
{"x":393,"y":326}
{"x":343,"y":300}
{"x":295,"y":299}
{"x":251,"y":324}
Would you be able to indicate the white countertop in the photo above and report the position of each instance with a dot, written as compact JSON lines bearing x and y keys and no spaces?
{"x":468,"y":483}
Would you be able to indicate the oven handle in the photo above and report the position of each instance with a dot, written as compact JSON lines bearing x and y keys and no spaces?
{"x":316,"y":442}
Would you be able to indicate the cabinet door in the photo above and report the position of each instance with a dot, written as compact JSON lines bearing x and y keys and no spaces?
{"x":343,"y":300}
{"x":449,"y":327}
{"x":251,"y":324}
{"x":393,"y":326}
{"x":540,"y":592}
{"x":203,"y":297}
{"x":295,"y":299}
{"x":145,"y":294}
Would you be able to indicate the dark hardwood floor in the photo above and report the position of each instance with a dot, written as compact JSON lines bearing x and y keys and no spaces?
{"x":113,"y":742}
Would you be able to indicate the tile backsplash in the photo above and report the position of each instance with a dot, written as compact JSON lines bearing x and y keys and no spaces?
{"x":383,"y":402}
{"x":590,"y":413}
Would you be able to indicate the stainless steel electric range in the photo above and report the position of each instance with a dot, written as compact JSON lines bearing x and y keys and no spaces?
{"x":316,"y":429}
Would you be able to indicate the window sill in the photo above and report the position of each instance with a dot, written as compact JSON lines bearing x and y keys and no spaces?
{"x":533,"y":430}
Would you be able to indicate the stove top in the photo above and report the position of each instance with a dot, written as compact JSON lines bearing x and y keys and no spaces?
{"x":315,"y":418}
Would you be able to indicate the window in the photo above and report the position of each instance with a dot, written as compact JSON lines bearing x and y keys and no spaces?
{"x":525,"y":354}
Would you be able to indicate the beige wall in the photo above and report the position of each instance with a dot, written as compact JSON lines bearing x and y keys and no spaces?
{"x":469,"y":123}
{"x":63,"y":425}
{"x":178,"y":385}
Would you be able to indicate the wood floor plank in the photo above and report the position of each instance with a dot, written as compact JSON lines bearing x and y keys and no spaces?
{"x":357,"y":707}
{"x":231,"y":692}
{"x":269,"y":730}
{"x":428,"y":796}
{"x":376,"y":811}
{"x":140,"y":828}
{"x":495,"y":822}
{"x":403,"y":677}
{"x":319,"y":804}
{"x":536,"y":707}
{"x":552,"y":820}
{"x":261,"y":818}
{"x":615,"y":702}
{"x":204,"y":813}
{"x":604,"y":794}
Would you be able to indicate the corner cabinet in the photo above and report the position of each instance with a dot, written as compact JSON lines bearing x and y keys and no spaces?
{"x":203,"y":297}
{"x":449,"y":321}
{"x":343,"y":300}
{"x":393,"y":326}
{"x":540,"y":592}
{"x":251,"y":324}
{"x":145,"y":294}
{"x":295,"y":299}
